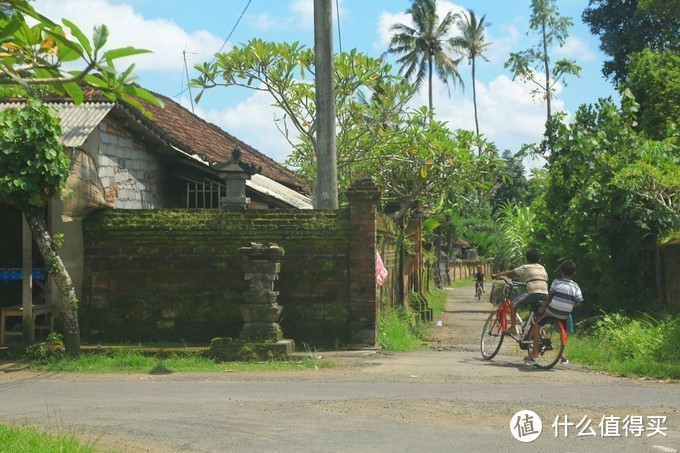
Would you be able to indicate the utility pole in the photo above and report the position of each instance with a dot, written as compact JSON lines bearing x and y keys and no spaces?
{"x":326,"y":187}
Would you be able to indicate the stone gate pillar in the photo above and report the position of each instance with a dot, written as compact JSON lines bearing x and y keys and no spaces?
{"x":363,"y":197}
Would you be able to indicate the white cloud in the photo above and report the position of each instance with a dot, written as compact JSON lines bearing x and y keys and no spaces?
{"x":575,"y":48}
{"x":252,"y":121}
{"x":163,"y":37}
{"x":305,"y":10}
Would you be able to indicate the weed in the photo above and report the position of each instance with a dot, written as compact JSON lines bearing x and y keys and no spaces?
{"x":631,"y":346}
{"x":400,"y":330}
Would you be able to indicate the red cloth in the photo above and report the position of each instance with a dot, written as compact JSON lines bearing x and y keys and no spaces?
{"x":380,"y":270}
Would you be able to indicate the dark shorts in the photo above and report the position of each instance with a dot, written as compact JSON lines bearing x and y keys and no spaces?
{"x":534,"y":300}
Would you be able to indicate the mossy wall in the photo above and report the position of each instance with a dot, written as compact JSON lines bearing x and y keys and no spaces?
{"x":177,"y":275}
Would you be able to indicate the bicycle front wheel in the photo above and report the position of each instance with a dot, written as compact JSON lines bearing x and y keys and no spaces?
{"x":550,"y":344}
{"x":492,"y":336}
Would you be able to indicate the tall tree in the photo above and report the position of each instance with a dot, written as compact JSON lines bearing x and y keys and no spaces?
{"x":472,"y":43}
{"x":423,"y":46}
{"x":534,"y":65}
{"x":654,"y":80}
{"x":629,"y":26}
{"x":411,"y":155}
{"x":33,"y":167}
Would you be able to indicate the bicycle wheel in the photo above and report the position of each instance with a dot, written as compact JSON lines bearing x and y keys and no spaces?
{"x":492,"y":336}
{"x":550,"y":344}
{"x":479,"y":293}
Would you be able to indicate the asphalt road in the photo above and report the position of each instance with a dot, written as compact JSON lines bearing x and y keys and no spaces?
{"x":443,"y":399}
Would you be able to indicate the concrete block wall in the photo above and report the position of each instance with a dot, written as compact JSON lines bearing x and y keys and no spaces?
{"x":130,"y":173}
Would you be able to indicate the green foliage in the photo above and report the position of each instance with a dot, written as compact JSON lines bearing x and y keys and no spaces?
{"x":631,"y":346}
{"x":626,"y":27}
{"x":49,"y":350}
{"x":472,"y":44}
{"x":34,"y":52}
{"x":29,"y":439}
{"x":517,"y":228}
{"x":423,"y":46}
{"x":33,"y":167}
{"x":534,"y":65}
{"x":654,"y":80}
{"x":410,"y":155}
{"x":610,"y":194}
{"x":399,"y":330}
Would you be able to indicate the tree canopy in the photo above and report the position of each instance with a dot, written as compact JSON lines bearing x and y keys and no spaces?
{"x":626,"y":27}
{"x":424,"y":46}
{"x":411,"y":155}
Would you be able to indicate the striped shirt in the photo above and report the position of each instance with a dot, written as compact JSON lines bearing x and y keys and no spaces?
{"x":535,"y":277}
{"x":565,"y":293}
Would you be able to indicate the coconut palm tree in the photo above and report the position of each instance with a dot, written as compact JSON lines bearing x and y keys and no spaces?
{"x":424,"y":46}
{"x":471,"y":44}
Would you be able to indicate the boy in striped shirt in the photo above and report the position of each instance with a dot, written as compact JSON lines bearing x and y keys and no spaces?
{"x":564,"y":295}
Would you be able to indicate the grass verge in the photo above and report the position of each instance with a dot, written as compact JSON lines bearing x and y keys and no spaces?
{"x":122,"y":361}
{"x":639,"y":346}
{"x":400,"y":330}
{"x":14,"y":438}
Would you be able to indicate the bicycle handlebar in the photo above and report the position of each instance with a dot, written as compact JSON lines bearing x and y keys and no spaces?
{"x":509,"y":281}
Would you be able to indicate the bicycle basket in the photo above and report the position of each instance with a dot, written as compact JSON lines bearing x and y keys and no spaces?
{"x":497,"y":293}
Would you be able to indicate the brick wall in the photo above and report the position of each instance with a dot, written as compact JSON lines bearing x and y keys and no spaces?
{"x":176,"y":275}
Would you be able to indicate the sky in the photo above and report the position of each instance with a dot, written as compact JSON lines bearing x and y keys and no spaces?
{"x":181,"y":34}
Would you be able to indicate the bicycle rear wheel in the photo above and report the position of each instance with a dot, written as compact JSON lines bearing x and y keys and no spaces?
{"x":492,"y":336}
{"x":550,"y":344}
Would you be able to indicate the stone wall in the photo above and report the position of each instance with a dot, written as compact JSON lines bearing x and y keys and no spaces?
{"x":177,"y":275}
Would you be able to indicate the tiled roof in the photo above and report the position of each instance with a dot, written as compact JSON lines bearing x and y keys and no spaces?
{"x":77,"y":121}
{"x":177,"y":127}
{"x":193,"y":135}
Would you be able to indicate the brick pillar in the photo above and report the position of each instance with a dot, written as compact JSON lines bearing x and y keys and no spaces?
{"x":363,"y":197}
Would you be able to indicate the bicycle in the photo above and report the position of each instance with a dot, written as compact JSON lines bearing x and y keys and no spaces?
{"x":479,"y":289}
{"x":552,"y":339}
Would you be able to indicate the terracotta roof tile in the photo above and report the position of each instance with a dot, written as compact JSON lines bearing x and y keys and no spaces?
{"x":195,"y":135}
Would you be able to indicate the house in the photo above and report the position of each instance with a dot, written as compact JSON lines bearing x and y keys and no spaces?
{"x":122,"y":159}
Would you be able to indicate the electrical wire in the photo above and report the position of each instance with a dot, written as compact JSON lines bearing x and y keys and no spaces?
{"x":235,"y":25}
{"x":222,"y":47}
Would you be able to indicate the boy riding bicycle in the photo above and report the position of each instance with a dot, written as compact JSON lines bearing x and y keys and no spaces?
{"x":535,"y":278}
{"x":565,"y":294}
{"x":479,"y":279}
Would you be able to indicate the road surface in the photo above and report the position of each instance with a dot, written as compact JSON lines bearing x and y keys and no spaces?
{"x":445,"y":398}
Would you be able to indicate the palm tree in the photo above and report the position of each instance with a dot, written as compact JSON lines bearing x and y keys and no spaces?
{"x":422,"y":46}
{"x":471,"y":44}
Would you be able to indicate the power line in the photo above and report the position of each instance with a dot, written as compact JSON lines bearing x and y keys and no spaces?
{"x":235,"y":25}
{"x":188,"y":88}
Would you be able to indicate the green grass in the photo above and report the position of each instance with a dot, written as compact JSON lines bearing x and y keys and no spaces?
{"x":26,"y":439}
{"x":136,"y":362}
{"x":436,"y":300}
{"x":400,"y":330}
{"x":641,"y":346}
{"x":464,"y":282}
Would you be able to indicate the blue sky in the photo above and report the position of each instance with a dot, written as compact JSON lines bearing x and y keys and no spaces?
{"x":179,"y":29}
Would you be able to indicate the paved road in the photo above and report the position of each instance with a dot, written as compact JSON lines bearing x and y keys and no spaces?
{"x":446,"y":399}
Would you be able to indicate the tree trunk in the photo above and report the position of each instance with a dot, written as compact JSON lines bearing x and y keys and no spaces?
{"x":68,"y":303}
{"x":546,"y":63}
{"x":474,"y":102}
{"x":429,"y":79}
